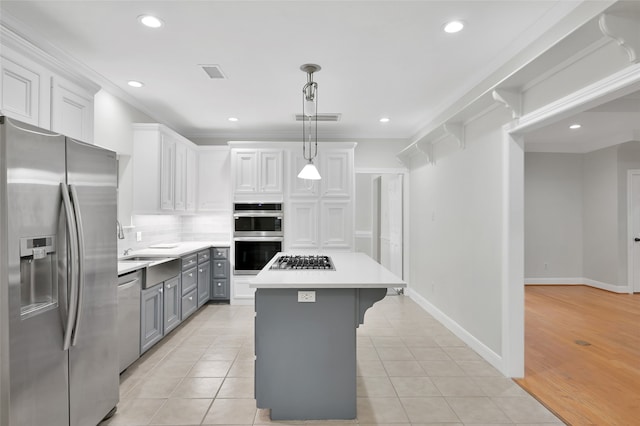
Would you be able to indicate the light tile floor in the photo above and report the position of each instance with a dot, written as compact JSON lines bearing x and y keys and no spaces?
{"x":411,"y":370}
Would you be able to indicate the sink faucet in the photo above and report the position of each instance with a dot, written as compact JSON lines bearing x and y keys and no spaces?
{"x":127,"y":251}
{"x":119,"y":230}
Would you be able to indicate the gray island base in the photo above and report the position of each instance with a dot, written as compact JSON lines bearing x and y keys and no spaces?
{"x":305,"y":366}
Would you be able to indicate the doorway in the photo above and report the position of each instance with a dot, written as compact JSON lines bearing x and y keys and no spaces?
{"x":379,"y":224}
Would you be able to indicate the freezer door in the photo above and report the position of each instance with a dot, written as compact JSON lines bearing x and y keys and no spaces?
{"x":35,"y":252}
{"x":93,"y":356}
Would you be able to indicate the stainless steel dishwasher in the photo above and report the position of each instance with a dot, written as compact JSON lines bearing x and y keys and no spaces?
{"x":129,"y":317}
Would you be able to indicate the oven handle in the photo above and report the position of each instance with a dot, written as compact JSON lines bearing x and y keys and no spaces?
{"x":258,"y":214}
{"x":258,"y":239}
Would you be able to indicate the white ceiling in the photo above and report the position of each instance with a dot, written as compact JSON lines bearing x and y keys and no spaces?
{"x":612,"y":123}
{"x":378,"y":58}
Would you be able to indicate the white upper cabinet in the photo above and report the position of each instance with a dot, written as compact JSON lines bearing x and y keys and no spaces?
{"x":257,"y":174}
{"x":161,"y":170}
{"x":36,"y":89}
{"x":180,"y":185}
{"x":214,"y":183}
{"x":336,"y":169}
{"x":71,"y":110}
{"x":192,"y":180}
{"x":20,"y":90}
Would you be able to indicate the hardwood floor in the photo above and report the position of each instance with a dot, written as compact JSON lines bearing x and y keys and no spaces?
{"x":582,"y":353}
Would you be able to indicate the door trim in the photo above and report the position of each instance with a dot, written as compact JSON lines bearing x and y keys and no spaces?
{"x":630,"y":262}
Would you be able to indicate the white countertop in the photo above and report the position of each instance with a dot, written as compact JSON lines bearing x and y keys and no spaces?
{"x":352,"y":270}
{"x":181,"y":249}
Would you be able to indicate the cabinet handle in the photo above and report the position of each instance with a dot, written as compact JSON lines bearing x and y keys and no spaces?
{"x":191,"y":274}
{"x":159,"y":290}
{"x":168,"y":286}
{"x":219,"y":284}
{"x":190,"y":297}
{"x":219,"y":265}
{"x":199,"y":270}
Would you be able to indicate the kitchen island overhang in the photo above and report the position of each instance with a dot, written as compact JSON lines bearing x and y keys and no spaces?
{"x":305,"y":343}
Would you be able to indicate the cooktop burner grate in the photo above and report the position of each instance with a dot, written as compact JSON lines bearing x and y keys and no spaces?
{"x":289,"y":262}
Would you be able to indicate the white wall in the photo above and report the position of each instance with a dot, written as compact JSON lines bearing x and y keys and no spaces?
{"x":112,"y":129}
{"x":553,"y":215}
{"x":456,"y":231}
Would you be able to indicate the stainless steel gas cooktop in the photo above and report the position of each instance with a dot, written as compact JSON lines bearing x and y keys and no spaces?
{"x":289,"y":262}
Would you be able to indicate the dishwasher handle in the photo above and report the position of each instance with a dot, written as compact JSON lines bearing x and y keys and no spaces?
{"x":128,"y":284}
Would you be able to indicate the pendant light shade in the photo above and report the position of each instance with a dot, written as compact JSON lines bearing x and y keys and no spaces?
{"x":310,"y":123}
{"x":309,"y":171}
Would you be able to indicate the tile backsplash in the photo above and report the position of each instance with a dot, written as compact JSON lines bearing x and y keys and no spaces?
{"x":157,"y":229}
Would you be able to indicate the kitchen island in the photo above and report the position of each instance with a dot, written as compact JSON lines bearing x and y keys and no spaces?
{"x":305,"y":335}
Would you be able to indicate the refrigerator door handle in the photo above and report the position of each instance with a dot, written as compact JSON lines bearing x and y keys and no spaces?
{"x":81,"y":257}
{"x":73,"y":244}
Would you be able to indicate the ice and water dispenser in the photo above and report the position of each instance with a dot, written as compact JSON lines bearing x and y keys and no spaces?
{"x":38,"y":275}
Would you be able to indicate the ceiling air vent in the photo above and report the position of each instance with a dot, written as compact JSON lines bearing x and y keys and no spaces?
{"x":323,"y":117}
{"x":213,"y":71}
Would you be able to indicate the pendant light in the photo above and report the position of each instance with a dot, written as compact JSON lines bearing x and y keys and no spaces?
{"x":309,"y":116}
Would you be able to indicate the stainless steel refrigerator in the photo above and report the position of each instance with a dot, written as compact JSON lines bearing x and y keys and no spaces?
{"x":58,"y":279}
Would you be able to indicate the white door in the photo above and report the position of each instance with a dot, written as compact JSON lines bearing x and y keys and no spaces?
{"x":634,"y":221}
{"x":391,"y":223}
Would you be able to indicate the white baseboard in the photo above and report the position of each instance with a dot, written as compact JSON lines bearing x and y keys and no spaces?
{"x":490,"y":356}
{"x":577,"y":281}
{"x":554,"y":281}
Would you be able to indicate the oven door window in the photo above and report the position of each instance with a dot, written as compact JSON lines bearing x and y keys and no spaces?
{"x":258,"y":224}
{"x":251,"y":256}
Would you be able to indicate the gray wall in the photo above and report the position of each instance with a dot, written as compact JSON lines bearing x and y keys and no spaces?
{"x":553,"y":215}
{"x":576,"y":215}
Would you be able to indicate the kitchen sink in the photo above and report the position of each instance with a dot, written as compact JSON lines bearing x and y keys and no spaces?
{"x":158,"y":269}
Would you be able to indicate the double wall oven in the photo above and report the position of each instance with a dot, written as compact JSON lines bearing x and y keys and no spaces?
{"x":257,"y":235}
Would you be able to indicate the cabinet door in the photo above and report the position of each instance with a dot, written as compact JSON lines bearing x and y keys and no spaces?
{"x":180,"y":182}
{"x":151,"y":317}
{"x":245,"y":168}
{"x":172,"y":304}
{"x":192,"y":179}
{"x":204,"y":282}
{"x":336,"y":224}
{"x":71,"y":111}
{"x":167,"y":173}
{"x":271,"y":171}
{"x":301,"y":187}
{"x":302,"y":224}
{"x":336,"y":169}
{"x":214,"y":184}
{"x":20,"y":92}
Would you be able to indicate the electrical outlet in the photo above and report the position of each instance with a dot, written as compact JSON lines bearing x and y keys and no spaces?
{"x":138,"y":236}
{"x":306,"y":296}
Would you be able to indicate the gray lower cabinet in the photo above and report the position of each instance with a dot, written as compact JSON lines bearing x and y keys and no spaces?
{"x":220,"y":274}
{"x":151,"y":317}
{"x":189,"y":303}
{"x":172,"y":304}
{"x":204,"y":282}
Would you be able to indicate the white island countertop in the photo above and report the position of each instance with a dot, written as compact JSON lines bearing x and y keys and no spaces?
{"x":352,"y":270}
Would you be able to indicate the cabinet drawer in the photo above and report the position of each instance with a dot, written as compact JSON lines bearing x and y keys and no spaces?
{"x":221,"y":252}
{"x":220,"y":289}
{"x":220,"y":268}
{"x":189,"y":261}
{"x":189,"y":304}
{"x":204,"y":256}
{"x":189,"y":280}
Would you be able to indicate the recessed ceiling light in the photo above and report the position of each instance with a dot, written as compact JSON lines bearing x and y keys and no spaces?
{"x":453,"y":27}
{"x":385,"y":119}
{"x":150,"y":21}
{"x":136,"y":84}
{"x":234,"y":119}
{"x":575,"y":126}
